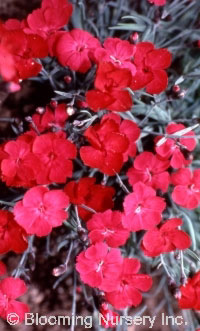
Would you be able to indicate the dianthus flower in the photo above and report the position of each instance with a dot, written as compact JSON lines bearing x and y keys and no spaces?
{"x":41,"y":210}
{"x":99,"y":266}
{"x":19,"y":166}
{"x":110,"y":145}
{"x":107,"y":227}
{"x":190,"y":293}
{"x":187,"y":188}
{"x":119,"y":52}
{"x":53,"y":118}
{"x":12,"y":236}
{"x":127,"y":291}
{"x":75,"y":49}
{"x":150,"y":68}
{"x":110,"y":89}
{"x":167,"y":238}
{"x":53,"y":15}
{"x":55,"y":153}
{"x":10,"y":289}
{"x":142,"y":208}
{"x":109,"y":318}
{"x":175,"y":148}
{"x":150,"y":169}
{"x":86,"y":192}
{"x":129,"y":129}
{"x":20,"y":49}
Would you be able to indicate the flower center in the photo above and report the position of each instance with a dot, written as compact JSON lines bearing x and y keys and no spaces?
{"x":99,"y":266}
{"x":80,"y":48}
{"x":138,"y":209}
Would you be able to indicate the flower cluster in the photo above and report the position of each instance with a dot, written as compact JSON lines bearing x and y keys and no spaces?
{"x":104,"y":268}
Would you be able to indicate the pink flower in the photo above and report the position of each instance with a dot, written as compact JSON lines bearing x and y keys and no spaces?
{"x":150,"y":169}
{"x":127,"y":291}
{"x":107,"y":227}
{"x":10,"y":290}
{"x":52,"y":16}
{"x":12,"y":236}
{"x":174,"y":149}
{"x":167,"y":238}
{"x":75,"y":48}
{"x":119,"y":52}
{"x":55,"y":153}
{"x":142,"y":209}
{"x":99,"y":266}
{"x":187,"y":188}
{"x":41,"y":210}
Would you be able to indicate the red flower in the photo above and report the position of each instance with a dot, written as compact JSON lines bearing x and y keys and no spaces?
{"x":110,"y":89}
{"x":75,"y":48}
{"x":99,"y":266}
{"x":20,"y":50}
{"x":10,"y":290}
{"x":127,"y":291}
{"x":129,"y":129}
{"x":2,"y":268}
{"x":119,"y":52}
{"x":12,"y":236}
{"x":158,"y":2}
{"x":174,"y":148}
{"x":190,"y":293}
{"x":55,"y":153}
{"x":150,"y":170}
{"x":150,"y":64}
{"x":165,"y":239}
{"x":86,"y":192}
{"x":109,"y":318}
{"x":107,"y":227}
{"x":108,"y":147}
{"x":187,"y":188}
{"x":19,"y":166}
{"x":52,"y":16}
{"x":41,"y":210}
{"x":53,"y":118}
{"x":142,"y":209}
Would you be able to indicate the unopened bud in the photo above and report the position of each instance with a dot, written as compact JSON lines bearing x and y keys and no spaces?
{"x":176,"y":88}
{"x":61,"y":269}
{"x":53,"y":103}
{"x":70,"y":110}
{"x":82,"y":104}
{"x":68,"y":79}
{"x":134,"y":37}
